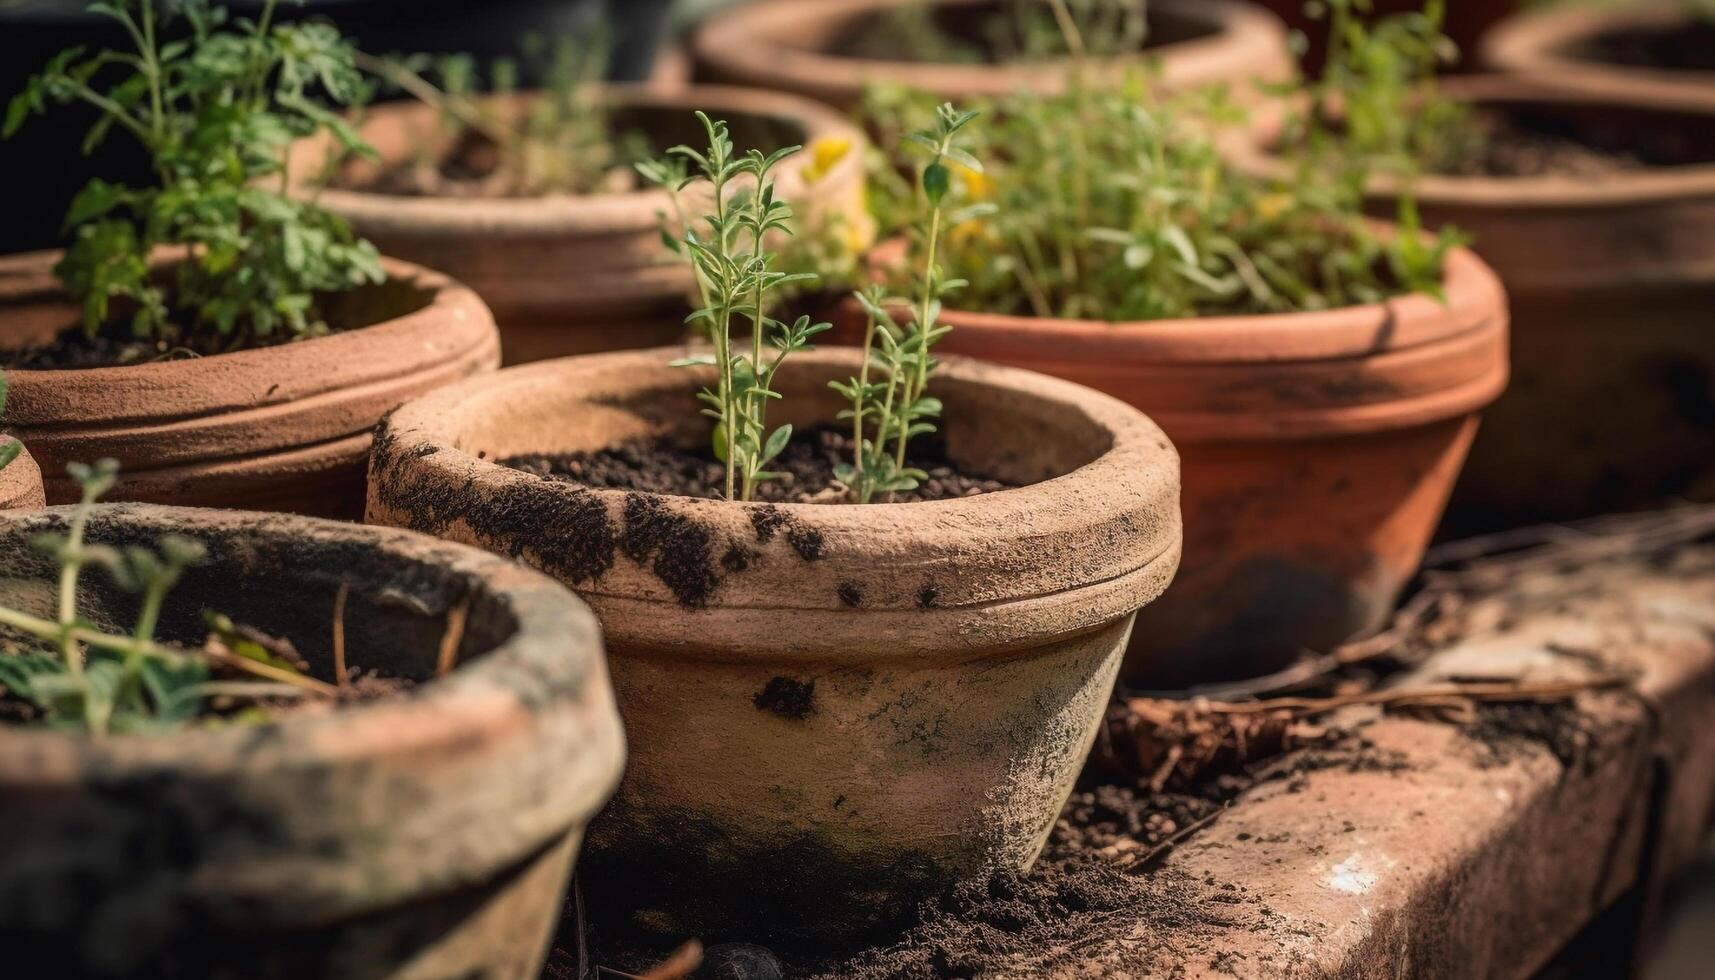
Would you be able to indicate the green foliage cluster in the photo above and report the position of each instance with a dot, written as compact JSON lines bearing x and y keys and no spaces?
{"x":216,"y":112}
{"x":1116,"y":203}
{"x":83,"y":678}
{"x":889,"y":399}
{"x":738,"y":284}
{"x":1377,"y":106}
{"x":559,"y":140}
{"x":736,"y":279}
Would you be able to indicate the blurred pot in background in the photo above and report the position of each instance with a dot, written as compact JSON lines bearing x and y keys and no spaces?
{"x":47,"y":157}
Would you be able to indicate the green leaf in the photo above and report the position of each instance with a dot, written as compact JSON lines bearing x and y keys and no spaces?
{"x":19,"y":672}
{"x":936,"y":179}
{"x":172,"y":687}
{"x":776,"y":443}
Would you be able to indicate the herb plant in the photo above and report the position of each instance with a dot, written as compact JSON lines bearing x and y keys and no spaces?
{"x":558,"y":141}
{"x":1377,"y":105}
{"x":889,"y":403}
{"x":216,"y":113}
{"x":1114,"y":202}
{"x":736,"y":277}
{"x":81,"y":677}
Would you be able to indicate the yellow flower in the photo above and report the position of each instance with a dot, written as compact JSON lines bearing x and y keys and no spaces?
{"x":1272,"y":206}
{"x":979,"y":186}
{"x":825,"y":154}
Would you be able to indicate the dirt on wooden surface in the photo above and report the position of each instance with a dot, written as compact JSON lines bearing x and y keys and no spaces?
{"x":1102,"y":900}
{"x":807,"y":465}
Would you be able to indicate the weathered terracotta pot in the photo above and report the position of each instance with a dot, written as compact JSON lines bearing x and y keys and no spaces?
{"x":1318,"y":450}
{"x":277,"y":428}
{"x":1612,"y":280}
{"x":795,"y":46}
{"x":833,"y":710}
{"x":20,"y":482}
{"x":1648,"y":49}
{"x":572,"y":275}
{"x":427,"y":835}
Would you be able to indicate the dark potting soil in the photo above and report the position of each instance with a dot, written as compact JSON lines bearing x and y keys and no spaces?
{"x":471,"y":170}
{"x":1505,"y":732}
{"x":115,"y":346}
{"x":808,"y":464}
{"x":1688,"y":46}
{"x":1508,"y":150}
{"x":72,"y":348}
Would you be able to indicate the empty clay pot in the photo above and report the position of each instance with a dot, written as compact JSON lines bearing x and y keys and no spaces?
{"x":1611,"y":279}
{"x":1318,"y":451}
{"x":834,"y":710}
{"x":1649,"y":49}
{"x":798,"y":46}
{"x":20,"y":482}
{"x":274,"y":428}
{"x":572,"y":275}
{"x":429,"y":834}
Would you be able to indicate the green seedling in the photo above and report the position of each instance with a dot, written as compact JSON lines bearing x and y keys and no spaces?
{"x":216,"y":112}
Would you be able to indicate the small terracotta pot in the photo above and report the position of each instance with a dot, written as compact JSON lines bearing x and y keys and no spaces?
{"x":429,"y":834}
{"x":834,"y":710}
{"x":276,"y":428}
{"x":573,"y":275}
{"x":1606,"y":50}
{"x":794,"y":45}
{"x":1612,"y":280}
{"x":20,"y":482}
{"x":1318,"y":450}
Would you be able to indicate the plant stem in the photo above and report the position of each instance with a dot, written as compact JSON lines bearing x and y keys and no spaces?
{"x":68,"y":588}
{"x":859,"y":469}
{"x":914,"y":385}
{"x":48,"y":630}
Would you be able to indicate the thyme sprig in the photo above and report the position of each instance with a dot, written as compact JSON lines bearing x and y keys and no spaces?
{"x":736,"y":278}
{"x":888,"y":399}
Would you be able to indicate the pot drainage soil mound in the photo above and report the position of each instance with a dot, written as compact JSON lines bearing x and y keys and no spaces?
{"x":808,"y":464}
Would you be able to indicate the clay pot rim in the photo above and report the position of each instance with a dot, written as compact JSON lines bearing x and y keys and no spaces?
{"x":1347,"y":342}
{"x":478,"y":703}
{"x":577,"y":214}
{"x":1348,"y":332}
{"x":1237,"y":27}
{"x":29,"y":274}
{"x":1538,"y":42}
{"x":1246,"y":151}
{"x":1135,"y":475}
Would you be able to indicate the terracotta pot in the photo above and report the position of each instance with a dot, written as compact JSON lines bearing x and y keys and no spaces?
{"x":573,"y":275}
{"x":20,"y":482}
{"x":795,"y":45}
{"x":426,"y":835}
{"x":1611,"y":280}
{"x":277,"y":428}
{"x":834,"y":710}
{"x":1650,"y":49}
{"x":1318,"y":450}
